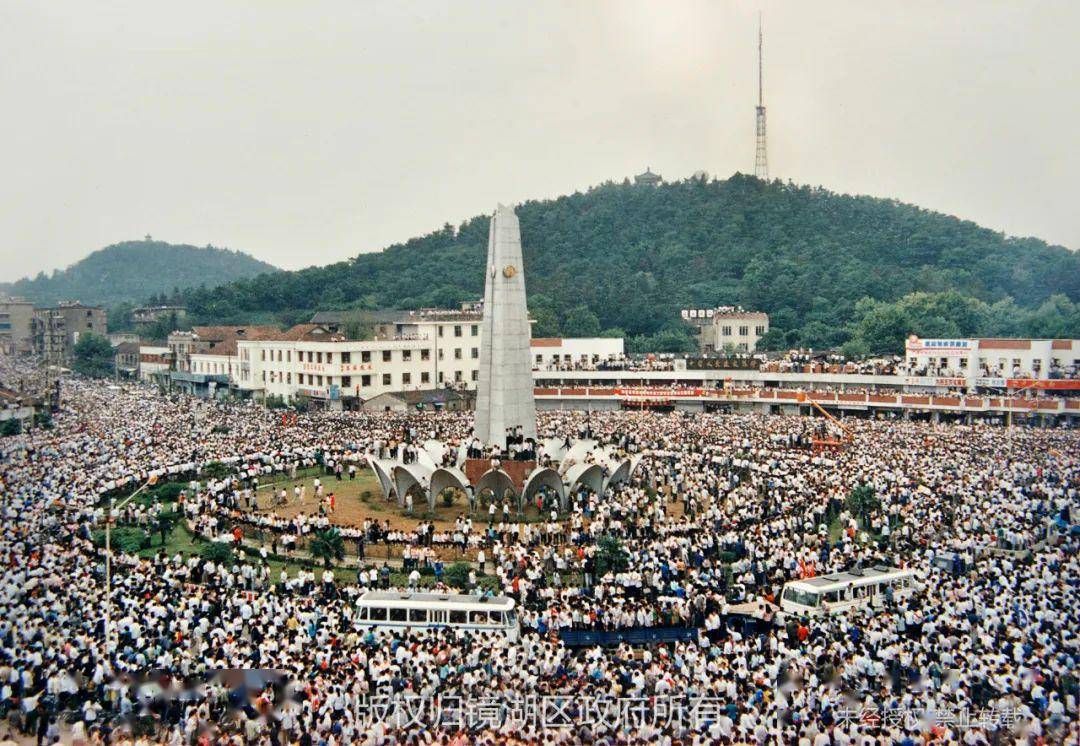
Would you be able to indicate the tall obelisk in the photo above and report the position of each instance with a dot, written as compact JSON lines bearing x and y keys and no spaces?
{"x":504,"y":397}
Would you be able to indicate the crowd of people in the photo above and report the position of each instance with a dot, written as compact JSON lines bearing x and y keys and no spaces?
{"x":720,"y":510}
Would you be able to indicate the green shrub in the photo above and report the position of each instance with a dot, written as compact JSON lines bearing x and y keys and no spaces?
{"x":457,"y":575}
{"x":218,"y":552}
{"x":169,"y":493}
{"x":215,"y":470}
{"x":126,"y":539}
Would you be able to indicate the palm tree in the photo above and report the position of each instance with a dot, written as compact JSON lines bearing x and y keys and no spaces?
{"x":327,"y":545}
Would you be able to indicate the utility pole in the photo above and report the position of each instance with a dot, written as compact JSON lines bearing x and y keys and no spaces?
{"x":761,"y":156}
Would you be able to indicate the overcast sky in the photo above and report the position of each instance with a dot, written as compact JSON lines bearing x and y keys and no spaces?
{"x":307,"y":132}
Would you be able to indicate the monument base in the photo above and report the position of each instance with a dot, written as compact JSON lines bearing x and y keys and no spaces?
{"x":518,"y":471}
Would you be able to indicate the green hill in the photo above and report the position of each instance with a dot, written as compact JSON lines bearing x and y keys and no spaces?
{"x":133,"y":271}
{"x":829,"y":268}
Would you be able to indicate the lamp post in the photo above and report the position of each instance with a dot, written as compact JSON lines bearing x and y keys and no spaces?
{"x":109,"y":647}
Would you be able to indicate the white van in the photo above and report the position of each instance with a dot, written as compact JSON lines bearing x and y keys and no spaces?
{"x":839,"y":592}
{"x":408,"y":611}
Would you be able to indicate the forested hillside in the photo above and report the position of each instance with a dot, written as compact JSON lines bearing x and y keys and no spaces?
{"x":135,"y":270}
{"x":830,"y":269}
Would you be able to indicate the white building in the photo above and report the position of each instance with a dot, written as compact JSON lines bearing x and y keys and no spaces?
{"x":580,"y":352}
{"x":155,"y":361}
{"x":993,"y":362}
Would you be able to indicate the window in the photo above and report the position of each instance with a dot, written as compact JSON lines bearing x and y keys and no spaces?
{"x":398,"y":615}
{"x":458,"y":617}
{"x":406,"y":378}
{"x":425,"y":354}
{"x":288,"y":378}
{"x":377,"y":614}
{"x":457,"y":376}
{"x":475,"y":353}
{"x":406,"y":355}
{"x":346,"y":357}
{"x":346,"y":381}
{"x":425,"y":377}
{"x":475,"y":330}
{"x":440,"y":331}
{"x":476,"y":375}
{"x":365,"y":356}
{"x":262,"y":354}
{"x":457,"y":353}
{"x":365,"y":380}
{"x":320,"y":380}
{"x":725,"y":331}
{"x":759,"y":330}
{"x":386,"y":379}
{"x":318,"y":358}
{"x":329,"y":358}
{"x":418,"y":615}
{"x":440,"y":353}
{"x":288,"y":356}
{"x":457,"y":330}
{"x":744,"y":331}
{"x":386,"y":356}
{"x":440,"y":376}
{"x":539,"y":359}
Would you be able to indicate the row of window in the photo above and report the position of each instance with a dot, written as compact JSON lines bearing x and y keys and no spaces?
{"x":744,"y":331}
{"x":302,"y":356}
{"x":474,"y":330}
{"x":311,"y":379}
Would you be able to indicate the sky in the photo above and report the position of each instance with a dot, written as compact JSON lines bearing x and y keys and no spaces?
{"x":308,"y":132}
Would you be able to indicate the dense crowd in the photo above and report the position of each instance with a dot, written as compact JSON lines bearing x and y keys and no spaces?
{"x":720,"y":509}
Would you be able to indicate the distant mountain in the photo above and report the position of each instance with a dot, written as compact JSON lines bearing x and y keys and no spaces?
{"x":829,"y":268}
{"x":133,"y":271}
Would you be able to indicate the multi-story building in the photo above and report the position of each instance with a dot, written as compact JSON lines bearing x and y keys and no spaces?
{"x":727,"y":328}
{"x":16,"y":322}
{"x":993,"y":362}
{"x":147,"y":315}
{"x":56,"y":330}
{"x":126,"y":359}
{"x":155,"y":361}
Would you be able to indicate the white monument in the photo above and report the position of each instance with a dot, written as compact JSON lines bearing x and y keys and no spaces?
{"x":504,"y":397}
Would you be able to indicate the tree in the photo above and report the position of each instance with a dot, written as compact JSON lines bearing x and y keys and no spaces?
{"x":94,"y":356}
{"x":581,"y":322}
{"x":10,"y":426}
{"x":862,"y":501}
{"x":328,"y":546}
{"x":611,"y":556}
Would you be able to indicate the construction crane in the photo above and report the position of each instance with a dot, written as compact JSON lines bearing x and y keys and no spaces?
{"x":820,"y":445}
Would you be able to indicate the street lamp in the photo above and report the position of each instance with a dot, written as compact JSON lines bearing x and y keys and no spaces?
{"x":109,"y":647}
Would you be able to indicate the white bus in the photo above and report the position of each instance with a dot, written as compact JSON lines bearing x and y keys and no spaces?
{"x":836,"y":593}
{"x":408,"y":610}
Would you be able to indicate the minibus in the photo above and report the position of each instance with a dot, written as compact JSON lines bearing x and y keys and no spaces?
{"x":839,"y":592}
{"x":408,"y":610}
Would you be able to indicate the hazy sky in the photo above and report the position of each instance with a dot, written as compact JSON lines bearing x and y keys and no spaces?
{"x":307,"y":132}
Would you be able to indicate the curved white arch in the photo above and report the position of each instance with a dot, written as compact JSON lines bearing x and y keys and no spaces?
{"x":383,"y":470}
{"x":436,"y":449}
{"x":619,"y":474}
{"x":544,"y":477}
{"x":578,"y":450}
{"x":443,"y":478}
{"x":407,"y":475}
{"x":496,"y":480}
{"x":553,"y":447}
{"x":590,"y":475}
